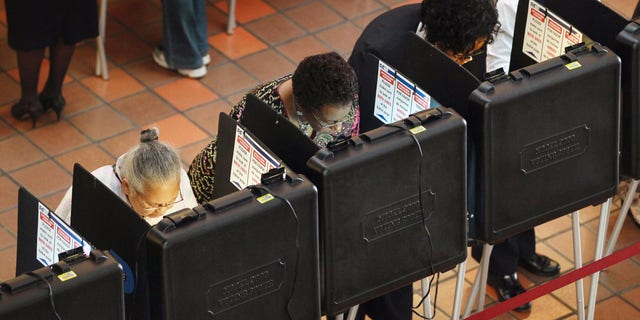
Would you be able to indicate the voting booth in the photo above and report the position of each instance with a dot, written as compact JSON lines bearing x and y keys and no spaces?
{"x":549,"y":140}
{"x":109,"y":223}
{"x":392,"y":206}
{"x":43,"y":237}
{"x":241,"y":158}
{"x":252,"y":254}
{"x":82,"y":287}
{"x":587,"y":20}
{"x":392,"y":201}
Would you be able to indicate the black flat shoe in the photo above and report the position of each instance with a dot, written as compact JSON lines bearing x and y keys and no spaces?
{"x":55,"y":102}
{"x":507,"y":287}
{"x":24,"y":111}
{"x":540,"y":265}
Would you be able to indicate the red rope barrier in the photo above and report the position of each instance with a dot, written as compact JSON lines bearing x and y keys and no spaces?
{"x":557,"y":283}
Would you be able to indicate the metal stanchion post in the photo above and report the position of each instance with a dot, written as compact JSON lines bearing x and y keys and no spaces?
{"x":577,"y":255}
{"x":457,"y":300}
{"x":602,"y":232}
{"x":628,"y":199}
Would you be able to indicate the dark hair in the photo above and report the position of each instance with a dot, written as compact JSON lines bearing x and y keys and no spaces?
{"x":324,"y":79}
{"x":456,"y":25}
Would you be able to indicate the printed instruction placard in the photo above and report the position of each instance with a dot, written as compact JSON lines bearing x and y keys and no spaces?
{"x":54,"y":237}
{"x":546,"y":35}
{"x":397,"y":96}
{"x":249,"y":161}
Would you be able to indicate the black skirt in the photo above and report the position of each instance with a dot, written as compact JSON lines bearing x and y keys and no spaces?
{"x":35,"y":24}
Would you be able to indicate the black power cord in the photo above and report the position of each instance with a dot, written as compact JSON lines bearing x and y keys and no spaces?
{"x":51,"y":302}
{"x":264,"y":190}
{"x":427,"y":232}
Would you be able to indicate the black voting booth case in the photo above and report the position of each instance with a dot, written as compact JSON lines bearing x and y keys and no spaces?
{"x":252,"y":254}
{"x":376,"y":234}
{"x":82,"y":288}
{"x":549,"y":141}
{"x":392,"y":206}
{"x":605,"y":26}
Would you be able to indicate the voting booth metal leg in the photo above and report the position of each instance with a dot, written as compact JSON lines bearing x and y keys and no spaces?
{"x":480,"y":282}
{"x":101,"y":56}
{"x":577,"y":254}
{"x":600,"y":239}
{"x":351,"y":314}
{"x":457,"y":299}
{"x":486,"y":252}
{"x":426,"y":304}
{"x":231,"y":22}
{"x":628,"y":199}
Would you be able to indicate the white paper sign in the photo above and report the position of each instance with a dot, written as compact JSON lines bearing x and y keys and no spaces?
{"x":547,"y":35}
{"x":402,"y":98}
{"x":55,"y":237}
{"x":385,"y":88}
{"x":249,"y":161}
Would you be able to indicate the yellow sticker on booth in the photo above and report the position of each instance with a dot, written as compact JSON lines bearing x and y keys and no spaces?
{"x":266,"y":198}
{"x":573,"y":65}
{"x":418,"y":129}
{"x":67,"y":276}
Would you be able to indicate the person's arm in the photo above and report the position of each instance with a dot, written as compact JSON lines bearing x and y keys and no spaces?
{"x":187,"y":193}
{"x":64,"y":208}
{"x":499,"y":52}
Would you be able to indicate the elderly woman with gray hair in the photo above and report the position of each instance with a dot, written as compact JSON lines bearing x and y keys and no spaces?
{"x":148,"y":177}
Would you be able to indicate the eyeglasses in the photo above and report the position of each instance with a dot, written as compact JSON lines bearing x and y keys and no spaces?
{"x":325,"y":124}
{"x":153,"y":207}
{"x":462,"y":59}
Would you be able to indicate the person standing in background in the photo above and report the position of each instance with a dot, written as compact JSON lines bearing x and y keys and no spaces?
{"x":520,"y":249}
{"x":184,"y":38}
{"x":34,"y":25}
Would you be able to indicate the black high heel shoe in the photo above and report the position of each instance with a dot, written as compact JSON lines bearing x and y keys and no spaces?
{"x":55,"y":102}
{"x":22,"y":111}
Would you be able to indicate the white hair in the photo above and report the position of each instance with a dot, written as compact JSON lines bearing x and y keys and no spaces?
{"x":150,"y":162}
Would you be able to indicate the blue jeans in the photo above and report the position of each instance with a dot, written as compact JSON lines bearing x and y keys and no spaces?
{"x":184,"y":33}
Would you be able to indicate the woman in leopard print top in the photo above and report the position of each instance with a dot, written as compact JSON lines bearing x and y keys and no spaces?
{"x":320,"y":98}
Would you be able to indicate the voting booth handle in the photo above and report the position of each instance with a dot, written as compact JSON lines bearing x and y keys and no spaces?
{"x":426,"y":116}
{"x":25,"y":281}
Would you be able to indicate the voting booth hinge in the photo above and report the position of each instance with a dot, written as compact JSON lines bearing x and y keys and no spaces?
{"x":337,"y":145}
{"x":273,"y":175}
{"x":496,"y":76}
{"x":72,"y":255}
{"x":577,"y":49}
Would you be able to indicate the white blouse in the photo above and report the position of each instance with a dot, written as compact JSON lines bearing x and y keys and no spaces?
{"x":106,"y":175}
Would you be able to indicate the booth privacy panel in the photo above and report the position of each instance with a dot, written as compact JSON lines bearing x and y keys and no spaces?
{"x":377,"y":233}
{"x":547,"y":143}
{"x":247,"y":255}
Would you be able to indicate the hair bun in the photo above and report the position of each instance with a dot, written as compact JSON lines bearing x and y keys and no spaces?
{"x":149,"y":135}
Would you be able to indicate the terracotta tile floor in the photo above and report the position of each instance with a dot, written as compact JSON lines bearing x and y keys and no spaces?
{"x":103,"y":118}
